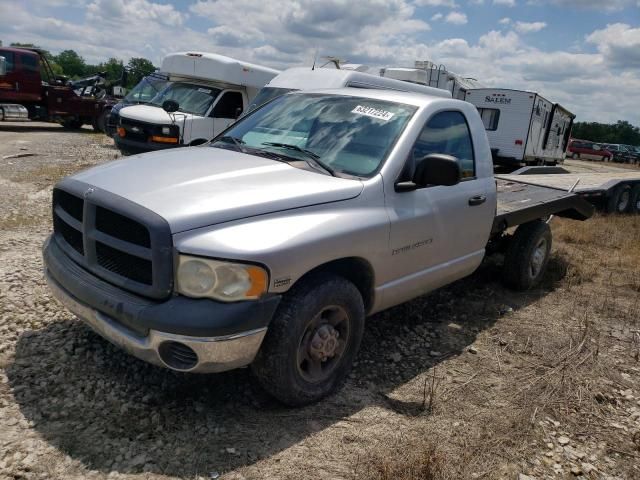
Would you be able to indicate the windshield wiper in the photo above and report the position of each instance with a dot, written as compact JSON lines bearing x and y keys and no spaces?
{"x":312,"y":157}
{"x":236,"y":141}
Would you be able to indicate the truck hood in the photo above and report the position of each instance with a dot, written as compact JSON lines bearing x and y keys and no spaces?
{"x":151,"y":114}
{"x":200,"y":186}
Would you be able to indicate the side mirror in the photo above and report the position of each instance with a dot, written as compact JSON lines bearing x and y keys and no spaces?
{"x":434,"y":169}
{"x":170,"y":106}
{"x":3,"y":66}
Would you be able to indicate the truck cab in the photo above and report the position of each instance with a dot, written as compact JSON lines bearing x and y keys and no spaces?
{"x":210,"y":90}
{"x":30,"y":91}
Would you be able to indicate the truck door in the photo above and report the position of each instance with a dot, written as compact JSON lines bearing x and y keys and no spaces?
{"x":439,"y":233}
{"x":228,"y":107}
{"x":31,"y":82}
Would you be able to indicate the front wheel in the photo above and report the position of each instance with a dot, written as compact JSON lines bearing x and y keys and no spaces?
{"x":527,"y":255}
{"x":312,"y":340}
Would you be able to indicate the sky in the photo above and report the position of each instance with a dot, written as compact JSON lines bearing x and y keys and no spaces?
{"x":583,"y":54}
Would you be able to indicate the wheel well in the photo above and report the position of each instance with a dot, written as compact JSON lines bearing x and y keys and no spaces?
{"x":357,"y":270}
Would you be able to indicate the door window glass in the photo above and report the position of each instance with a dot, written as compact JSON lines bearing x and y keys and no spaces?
{"x":229,"y":106}
{"x":447,"y":133}
{"x":29,"y":63}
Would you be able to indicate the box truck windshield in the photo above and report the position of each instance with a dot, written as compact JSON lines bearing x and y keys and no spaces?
{"x":191,"y":98}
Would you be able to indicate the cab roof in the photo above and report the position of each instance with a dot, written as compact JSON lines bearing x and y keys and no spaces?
{"x":408,"y":98}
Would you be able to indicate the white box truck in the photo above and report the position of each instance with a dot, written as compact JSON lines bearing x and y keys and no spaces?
{"x":210,"y":90}
{"x":523,"y":127}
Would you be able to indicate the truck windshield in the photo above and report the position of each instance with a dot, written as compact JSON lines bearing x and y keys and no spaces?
{"x":146,"y":89}
{"x":266,"y":94}
{"x":351,"y":135}
{"x":191,"y":98}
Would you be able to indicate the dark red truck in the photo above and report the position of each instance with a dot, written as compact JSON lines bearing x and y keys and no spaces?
{"x":30,"y":90}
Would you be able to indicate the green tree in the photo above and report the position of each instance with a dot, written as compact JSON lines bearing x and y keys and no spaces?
{"x":620,"y":132}
{"x":139,"y":67}
{"x":72,"y":64}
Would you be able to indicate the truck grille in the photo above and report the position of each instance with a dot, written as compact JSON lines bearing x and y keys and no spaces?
{"x":130,"y":247}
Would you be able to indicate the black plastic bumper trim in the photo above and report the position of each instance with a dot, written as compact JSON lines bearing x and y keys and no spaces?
{"x":179,"y":315}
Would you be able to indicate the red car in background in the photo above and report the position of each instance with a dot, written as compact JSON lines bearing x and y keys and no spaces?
{"x":586,"y":150}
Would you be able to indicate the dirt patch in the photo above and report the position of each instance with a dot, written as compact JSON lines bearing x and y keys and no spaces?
{"x":473,"y":381}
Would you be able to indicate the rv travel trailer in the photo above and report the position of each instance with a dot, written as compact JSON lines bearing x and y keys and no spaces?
{"x":432,"y":75}
{"x":523,"y":128}
{"x":208,"y":93}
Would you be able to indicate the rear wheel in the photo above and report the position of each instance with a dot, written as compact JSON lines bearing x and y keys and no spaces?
{"x":620,"y":200}
{"x":635,"y":199}
{"x":1,"y":114}
{"x":73,"y":124}
{"x":527,"y":255}
{"x":312,"y":340}
{"x":575,"y":156}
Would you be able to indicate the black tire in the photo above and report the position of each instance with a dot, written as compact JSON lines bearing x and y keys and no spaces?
{"x":575,"y":156}
{"x":620,"y":200}
{"x":527,"y":255}
{"x":72,"y":124}
{"x":635,"y":199}
{"x":1,"y":114}
{"x":287,"y":366}
{"x":100,"y":123}
{"x":604,"y":159}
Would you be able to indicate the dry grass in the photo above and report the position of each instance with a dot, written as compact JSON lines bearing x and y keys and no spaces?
{"x":555,"y":359}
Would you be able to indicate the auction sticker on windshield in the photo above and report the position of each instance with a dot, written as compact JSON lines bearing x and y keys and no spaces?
{"x":373,"y":112}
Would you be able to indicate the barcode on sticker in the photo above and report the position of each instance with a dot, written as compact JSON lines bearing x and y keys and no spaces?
{"x":372,"y":112}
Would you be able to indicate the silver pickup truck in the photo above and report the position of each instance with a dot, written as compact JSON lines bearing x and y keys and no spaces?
{"x":270,"y":245}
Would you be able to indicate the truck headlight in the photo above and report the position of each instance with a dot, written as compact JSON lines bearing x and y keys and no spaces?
{"x":225,"y":281}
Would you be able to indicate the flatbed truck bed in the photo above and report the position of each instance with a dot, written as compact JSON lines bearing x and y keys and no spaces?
{"x":614,"y":192}
{"x":520,"y":202}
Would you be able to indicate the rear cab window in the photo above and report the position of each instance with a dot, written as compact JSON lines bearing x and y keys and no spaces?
{"x":490,"y":118}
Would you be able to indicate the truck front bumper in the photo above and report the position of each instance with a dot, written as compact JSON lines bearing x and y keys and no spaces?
{"x":232,"y":332}
{"x":135,"y":146}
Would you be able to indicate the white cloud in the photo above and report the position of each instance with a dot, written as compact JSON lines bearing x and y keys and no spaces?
{"x":456,"y":18}
{"x":506,"y":3}
{"x":606,"y":5}
{"x":504,"y":21}
{"x":619,"y":43}
{"x":529,"y":27}
{"x":476,"y":2}
{"x":374,"y":32}
{"x":436,"y":3}
{"x":436,"y":17}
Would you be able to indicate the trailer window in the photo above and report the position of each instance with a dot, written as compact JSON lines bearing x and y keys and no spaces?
{"x":490,"y":118}
{"x":9,"y":60}
{"x":447,"y":133}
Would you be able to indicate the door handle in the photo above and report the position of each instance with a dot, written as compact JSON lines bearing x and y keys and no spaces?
{"x":477,"y":200}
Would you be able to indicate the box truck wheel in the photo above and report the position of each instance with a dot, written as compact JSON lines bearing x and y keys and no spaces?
{"x":312,"y":340}
{"x":635,"y":199}
{"x":527,"y":255}
{"x":620,"y":199}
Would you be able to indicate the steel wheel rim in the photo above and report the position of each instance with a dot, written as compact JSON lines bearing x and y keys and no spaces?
{"x":331,"y":320}
{"x":623,"y":204}
{"x":537,"y":258}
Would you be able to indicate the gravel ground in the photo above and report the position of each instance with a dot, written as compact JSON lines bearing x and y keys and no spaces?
{"x":500,"y":385}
